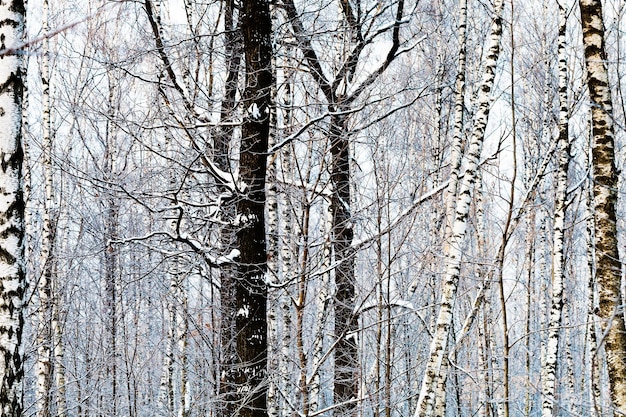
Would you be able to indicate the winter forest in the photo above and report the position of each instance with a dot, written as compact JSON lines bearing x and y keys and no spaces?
{"x":357,"y":208}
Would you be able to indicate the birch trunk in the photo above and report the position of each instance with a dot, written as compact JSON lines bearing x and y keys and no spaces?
{"x":322,"y":302}
{"x":182,"y":328}
{"x":455,"y":249}
{"x":286,"y":302}
{"x":166,"y":389}
{"x":59,"y":353}
{"x":273,"y":232}
{"x":593,"y":371}
{"x":549,"y":368}
{"x":273,"y":264}
{"x":111,"y":257}
{"x":569,"y":358}
{"x":12,"y":277}
{"x":44,"y":292}
{"x":459,"y":111}
{"x":608,"y":266}
{"x":530,"y":267}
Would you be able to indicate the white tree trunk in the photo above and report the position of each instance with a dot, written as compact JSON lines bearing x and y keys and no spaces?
{"x":12,"y":276}
{"x":549,"y":367}
{"x":166,"y":389}
{"x":593,"y":371}
{"x":322,"y":301}
{"x":44,"y":333}
{"x":182,"y":325}
{"x":455,"y":249}
{"x":59,"y":354}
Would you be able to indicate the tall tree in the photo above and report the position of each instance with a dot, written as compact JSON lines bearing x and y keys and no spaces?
{"x":12,"y":278}
{"x":453,"y":252}
{"x":44,"y":331}
{"x":341,"y":90}
{"x":549,"y":368}
{"x":608,"y":266}
{"x":251,"y":286}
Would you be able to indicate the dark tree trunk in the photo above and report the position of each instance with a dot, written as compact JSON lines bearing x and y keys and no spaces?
{"x":250,"y":287}
{"x":222,"y":139}
{"x":346,"y":370}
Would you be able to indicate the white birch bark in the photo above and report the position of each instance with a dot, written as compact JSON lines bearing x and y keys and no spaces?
{"x":459,"y":111}
{"x":569,"y":360}
{"x":182,"y":326}
{"x":322,"y":302}
{"x":482,"y":274}
{"x":273,"y":397}
{"x":12,"y":274}
{"x":593,"y":371}
{"x":456,"y":155}
{"x":44,"y":334}
{"x":166,"y":399}
{"x":288,"y":268}
{"x":166,"y":388}
{"x":608,"y":266}
{"x":455,"y":250}
{"x":549,"y":367}
{"x":58,"y":352}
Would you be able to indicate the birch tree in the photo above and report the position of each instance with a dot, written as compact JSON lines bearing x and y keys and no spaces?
{"x":608,"y":267}
{"x":454,"y":251}
{"x":44,"y":331}
{"x":549,"y":367}
{"x":11,"y":210}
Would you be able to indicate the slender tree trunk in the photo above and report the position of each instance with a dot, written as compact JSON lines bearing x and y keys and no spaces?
{"x":111,"y":259}
{"x":44,"y":331}
{"x":549,"y":368}
{"x":608,"y":266}
{"x":182,"y":328}
{"x":456,"y":156}
{"x":322,"y":302}
{"x":455,"y":249}
{"x":223,"y":137}
{"x":530,"y":268}
{"x":59,"y":354}
{"x":593,"y":371}
{"x":300,"y":305}
{"x":166,"y":389}
{"x":251,"y":287}
{"x":459,"y":111}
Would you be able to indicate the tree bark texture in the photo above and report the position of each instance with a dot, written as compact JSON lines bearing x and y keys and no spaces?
{"x":549,"y":368}
{"x":346,"y":369}
{"x":12,"y":275}
{"x":608,"y":267}
{"x":250,"y":286}
{"x":44,"y":331}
